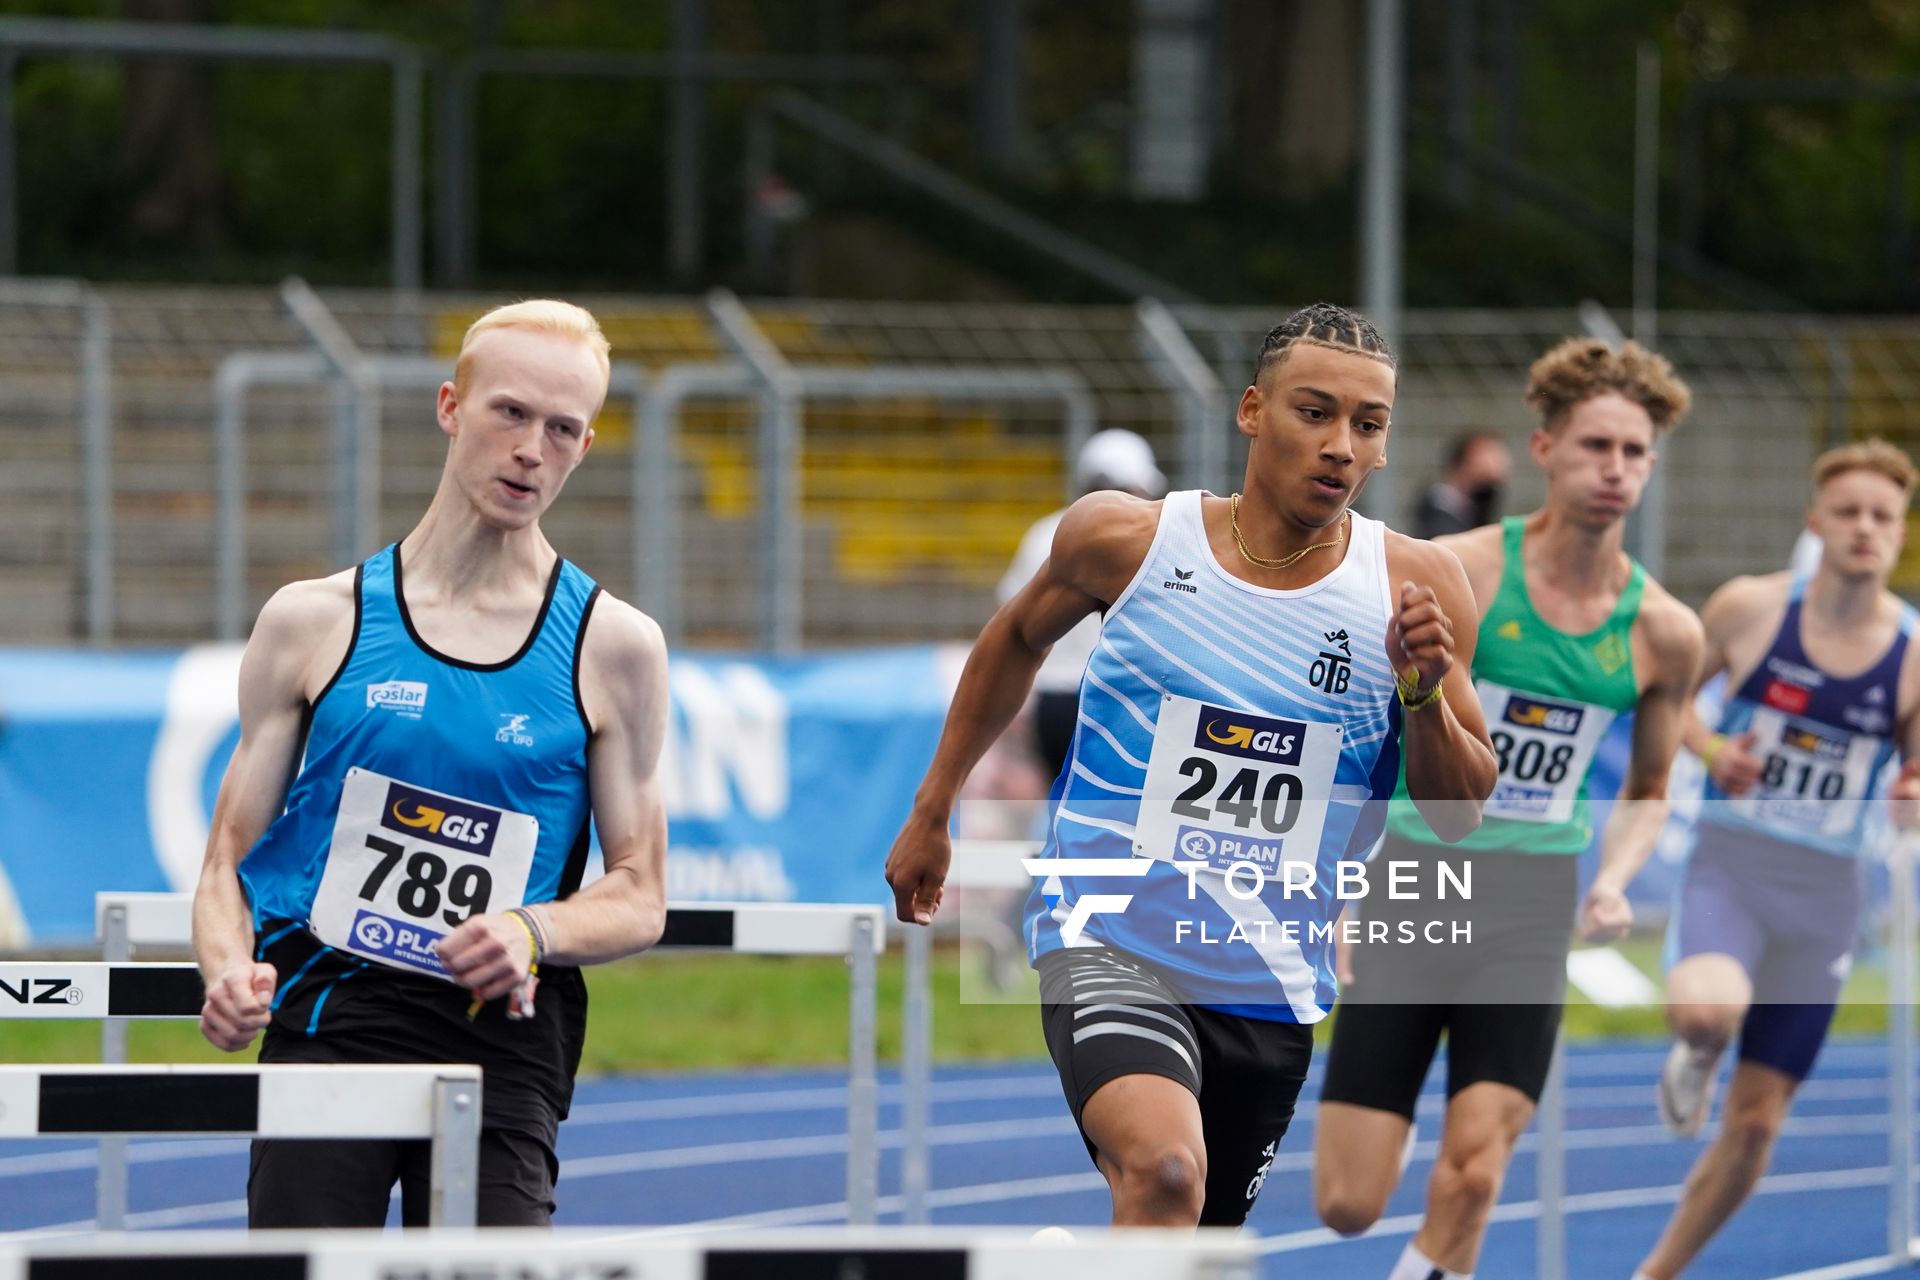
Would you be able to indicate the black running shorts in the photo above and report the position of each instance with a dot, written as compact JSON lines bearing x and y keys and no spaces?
{"x":1107,"y":1015}
{"x":1497,"y":997}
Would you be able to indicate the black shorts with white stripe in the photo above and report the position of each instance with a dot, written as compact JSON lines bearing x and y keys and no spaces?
{"x":1107,"y":1015}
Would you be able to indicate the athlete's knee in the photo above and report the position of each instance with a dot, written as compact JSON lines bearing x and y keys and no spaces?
{"x":1705,"y":1026}
{"x":1163,"y":1183}
{"x":1748,"y":1130}
{"x":1347,"y":1206}
{"x":1471,"y":1179}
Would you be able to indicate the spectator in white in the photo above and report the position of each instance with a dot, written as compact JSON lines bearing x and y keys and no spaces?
{"x":1110,"y":459}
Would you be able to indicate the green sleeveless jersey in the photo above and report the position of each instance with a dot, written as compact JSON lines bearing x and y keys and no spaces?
{"x":1549,"y":698}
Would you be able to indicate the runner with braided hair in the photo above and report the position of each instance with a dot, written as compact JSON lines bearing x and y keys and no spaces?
{"x":1264,"y":662}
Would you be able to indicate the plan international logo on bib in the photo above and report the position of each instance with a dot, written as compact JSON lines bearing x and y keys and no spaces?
{"x":441,"y":819}
{"x":402,"y":697}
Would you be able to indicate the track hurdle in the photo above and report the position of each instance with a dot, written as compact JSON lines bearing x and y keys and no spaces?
{"x":583,"y":1254}
{"x":437,"y":1102}
{"x":977,"y":864}
{"x":126,"y":921}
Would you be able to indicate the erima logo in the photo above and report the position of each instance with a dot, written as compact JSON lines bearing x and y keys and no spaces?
{"x":1237,"y":733}
{"x":42,"y":991}
{"x":403,"y":697}
{"x":1551,"y":717}
{"x":1179,"y":582}
{"x":425,"y":816}
{"x":513,"y":729}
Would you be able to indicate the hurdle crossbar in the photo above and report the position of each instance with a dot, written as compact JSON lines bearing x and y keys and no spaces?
{"x":871,"y":1254}
{"x":126,"y":921}
{"x":438,"y":1102}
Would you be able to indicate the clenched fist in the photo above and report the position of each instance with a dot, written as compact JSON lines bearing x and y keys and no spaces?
{"x":1420,"y":637}
{"x":239,"y":1003}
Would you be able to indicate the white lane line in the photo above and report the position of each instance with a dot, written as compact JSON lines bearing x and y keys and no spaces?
{"x":1585,"y":1138}
{"x":1590,"y":1202}
{"x":949,"y":1198}
{"x":1849,"y":1270}
{"x":826,"y":1144}
{"x":826,"y":1098}
{"x":185,"y":1215}
{"x":78,"y":1158}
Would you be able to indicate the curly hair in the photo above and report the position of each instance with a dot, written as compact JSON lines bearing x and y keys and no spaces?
{"x":1581,"y":368}
{"x":1325,"y":325}
{"x":1876,"y":456}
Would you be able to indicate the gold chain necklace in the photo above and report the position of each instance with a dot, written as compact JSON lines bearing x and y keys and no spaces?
{"x":1233,"y":520}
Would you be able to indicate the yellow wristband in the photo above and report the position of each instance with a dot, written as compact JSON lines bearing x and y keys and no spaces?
{"x":1413,"y":699}
{"x":1712,"y":749}
{"x":533,"y":942}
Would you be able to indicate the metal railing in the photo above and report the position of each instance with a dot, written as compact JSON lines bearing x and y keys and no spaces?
{"x":920,"y":441}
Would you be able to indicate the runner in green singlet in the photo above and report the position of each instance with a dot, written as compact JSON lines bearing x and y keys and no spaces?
{"x":1573,"y":634}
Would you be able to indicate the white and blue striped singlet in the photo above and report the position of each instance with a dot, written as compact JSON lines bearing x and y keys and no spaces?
{"x":1230,"y":724}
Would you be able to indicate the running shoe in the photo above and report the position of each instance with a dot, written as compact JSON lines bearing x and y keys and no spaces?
{"x":1686,"y":1088}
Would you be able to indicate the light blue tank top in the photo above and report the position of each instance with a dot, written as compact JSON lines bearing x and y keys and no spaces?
{"x":1238,"y":727}
{"x":432,"y":788}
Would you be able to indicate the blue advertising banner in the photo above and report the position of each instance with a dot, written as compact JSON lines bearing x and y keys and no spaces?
{"x":785,"y":780}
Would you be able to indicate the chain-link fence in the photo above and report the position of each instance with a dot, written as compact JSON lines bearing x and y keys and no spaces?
{"x":908,"y":492}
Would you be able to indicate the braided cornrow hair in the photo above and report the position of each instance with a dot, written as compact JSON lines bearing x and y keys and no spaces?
{"x":1323,"y":325}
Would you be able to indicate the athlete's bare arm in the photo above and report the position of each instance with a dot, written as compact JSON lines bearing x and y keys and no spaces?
{"x":1450,"y":763}
{"x":1904,"y":795}
{"x":1668,"y":641}
{"x":1482,"y":553}
{"x":1101,"y":543}
{"x":623,"y":691}
{"x":299,"y":641}
{"x":1739,"y":620}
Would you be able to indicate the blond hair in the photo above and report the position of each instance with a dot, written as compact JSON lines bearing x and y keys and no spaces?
{"x":536,"y":315}
{"x":1581,"y":368}
{"x":1876,"y":456}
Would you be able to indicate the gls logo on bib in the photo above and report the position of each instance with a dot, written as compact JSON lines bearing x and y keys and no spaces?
{"x":1548,"y":717}
{"x":425,"y":816}
{"x":1237,"y":733}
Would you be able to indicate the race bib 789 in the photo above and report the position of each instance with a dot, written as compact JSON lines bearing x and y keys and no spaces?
{"x":407,"y":866}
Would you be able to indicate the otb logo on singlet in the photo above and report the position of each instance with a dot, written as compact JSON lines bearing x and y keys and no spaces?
{"x":402,"y":697}
{"x":1548,"y":717}
{"x":453,"y":823}
{"x":1333,"y":671}
{"x":1255,"y":737}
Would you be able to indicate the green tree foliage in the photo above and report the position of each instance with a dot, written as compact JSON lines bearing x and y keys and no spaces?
{"x":243,"y":171}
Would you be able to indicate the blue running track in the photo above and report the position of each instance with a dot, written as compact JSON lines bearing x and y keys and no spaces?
{"x":709,"y":1152}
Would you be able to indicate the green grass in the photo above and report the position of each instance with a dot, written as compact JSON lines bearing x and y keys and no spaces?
{"x":672,"y":1012}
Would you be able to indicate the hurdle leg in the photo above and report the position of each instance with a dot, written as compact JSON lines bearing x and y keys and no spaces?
{"x":863,"y":1091}
{"x":1900,"y":1027}
{"x":110,"y":1183}
{"x":1550,"y":1176}
{"x":916,"y":1075}
{"x":454,"y":1178}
